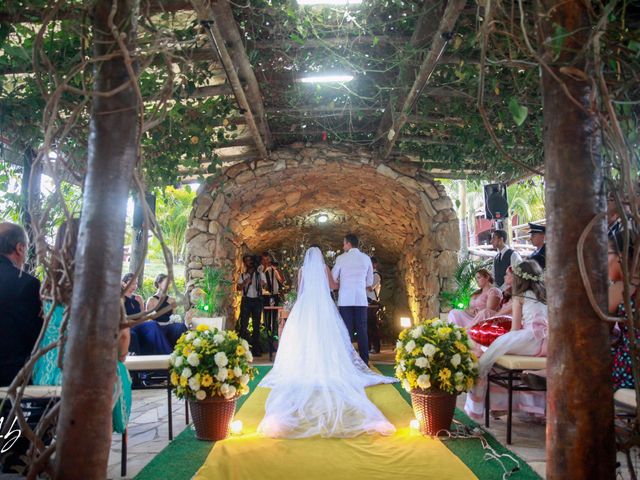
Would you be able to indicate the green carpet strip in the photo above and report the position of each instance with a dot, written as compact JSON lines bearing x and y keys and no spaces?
{"x":182,"y":458}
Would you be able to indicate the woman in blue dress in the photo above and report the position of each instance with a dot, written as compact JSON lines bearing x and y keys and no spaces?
{"x":172,"y":331}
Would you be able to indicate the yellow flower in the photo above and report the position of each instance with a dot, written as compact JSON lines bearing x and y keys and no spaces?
{"x":187,"y":350}
{"x":240,"y":350}
{"x":469,"y":383}
{"x":444,"y":375}
{"x":460,"y":346}
{"x":403,"y":334}
{"x":443,"y":332}
{"x":416,"y":351}
{"x":473,"y":357}
{"x":232,"y":335}
{"x":174,"y":378}
{"x":207,"y":380}
{"x":230,"y":373}
{"x":412,"y":378}
{"x":184,"y":381}
{"x":202,"y":327}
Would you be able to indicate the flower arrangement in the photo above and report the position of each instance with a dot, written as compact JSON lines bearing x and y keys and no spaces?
{"x":207,"y":363}
{"x":435,"y":355}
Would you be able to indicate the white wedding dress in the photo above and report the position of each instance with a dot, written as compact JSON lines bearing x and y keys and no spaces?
{"x":317,"y":381}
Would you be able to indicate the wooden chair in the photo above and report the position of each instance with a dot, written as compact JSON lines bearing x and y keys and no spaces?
{"x":507,"y":373}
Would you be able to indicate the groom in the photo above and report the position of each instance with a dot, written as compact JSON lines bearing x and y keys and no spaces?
{"x":354,"y":273}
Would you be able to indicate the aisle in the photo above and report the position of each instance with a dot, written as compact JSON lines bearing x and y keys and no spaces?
{"x":404,"y":455}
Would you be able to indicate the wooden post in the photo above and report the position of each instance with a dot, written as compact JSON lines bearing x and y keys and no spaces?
{"x":580,"y":436}
{"x":84,"y":427}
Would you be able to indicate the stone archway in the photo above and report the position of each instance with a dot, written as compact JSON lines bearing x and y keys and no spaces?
{"x":398,"y":208}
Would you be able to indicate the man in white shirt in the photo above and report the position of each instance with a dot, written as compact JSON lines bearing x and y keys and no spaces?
{"x":373,"y":294}
{"x":250,"y":284}
{"x":354,"y":273}
{"x":505,"y":258}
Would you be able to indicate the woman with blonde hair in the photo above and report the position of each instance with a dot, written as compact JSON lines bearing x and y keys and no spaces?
{"x":486,"y":297}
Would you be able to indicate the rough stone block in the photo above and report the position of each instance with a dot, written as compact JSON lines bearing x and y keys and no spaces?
{"x":442,"y":203}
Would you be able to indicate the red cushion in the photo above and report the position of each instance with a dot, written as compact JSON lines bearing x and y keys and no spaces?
{"x":485,"y":333}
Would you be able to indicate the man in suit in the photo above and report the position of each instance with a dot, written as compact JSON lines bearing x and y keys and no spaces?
{"x":20,"y":306}
{"x":505,"y":258}
{"x":354,"y":273}
{"x":537,"y":233}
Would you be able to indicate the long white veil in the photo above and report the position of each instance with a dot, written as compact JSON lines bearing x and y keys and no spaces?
{"x":318,"y":379}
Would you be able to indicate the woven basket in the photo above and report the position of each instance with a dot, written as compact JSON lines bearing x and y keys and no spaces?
{"x":212,"y":417}
{"x":433,"y":409}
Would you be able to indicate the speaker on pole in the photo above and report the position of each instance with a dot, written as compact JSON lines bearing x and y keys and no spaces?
{"x":138,"y":215}
{"x":495,"y":201}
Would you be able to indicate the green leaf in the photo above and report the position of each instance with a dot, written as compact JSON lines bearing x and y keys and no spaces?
{"x":376,"y":41}
{"x":297,"y":38}
{"x":518,"y":112}
{"x":558,"y":39}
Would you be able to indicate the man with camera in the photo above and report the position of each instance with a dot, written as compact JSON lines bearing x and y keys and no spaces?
{"x":250,"y":283}
{"x":270,"y":295}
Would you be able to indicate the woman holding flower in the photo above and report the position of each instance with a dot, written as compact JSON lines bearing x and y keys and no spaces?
{"x":528,"y":335}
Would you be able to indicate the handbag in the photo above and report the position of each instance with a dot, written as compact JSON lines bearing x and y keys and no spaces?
{"x":485,"y":333}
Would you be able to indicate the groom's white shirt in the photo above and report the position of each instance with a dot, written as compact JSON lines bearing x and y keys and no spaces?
{"x":354,"y":271}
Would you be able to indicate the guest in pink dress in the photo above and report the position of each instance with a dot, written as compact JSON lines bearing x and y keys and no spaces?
{"x":486,"y":297}
{"x":505,"y":307}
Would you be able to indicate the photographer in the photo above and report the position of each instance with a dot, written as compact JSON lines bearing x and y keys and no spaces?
{"x":270,"y":291}
{"x":251,"y":283}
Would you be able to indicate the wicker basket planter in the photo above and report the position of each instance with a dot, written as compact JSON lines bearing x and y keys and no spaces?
{"x":433,"y":409}
{"x":212,"y":417}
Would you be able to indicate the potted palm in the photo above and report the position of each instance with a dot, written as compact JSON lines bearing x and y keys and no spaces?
{"x":207,"y":299}
{"x":434,"y":362}
{"x":211,"y":368}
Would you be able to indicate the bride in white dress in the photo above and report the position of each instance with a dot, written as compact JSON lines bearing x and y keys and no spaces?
{"x":317,"y":381}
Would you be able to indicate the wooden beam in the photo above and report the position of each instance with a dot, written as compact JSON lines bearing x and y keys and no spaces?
{"x":206,"y":14}
{"x":426,"y":141}
{"x":225,"y":22}
{"x":439,"y":43}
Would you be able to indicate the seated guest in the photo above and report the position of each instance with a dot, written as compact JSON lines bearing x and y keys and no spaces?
{"x":505,"y":307}
{"x":147,"y":338}
{"x":172,"y":331}
{"x":20,"y":306}
{"x":528,"y":335}
{"x":486,"y":297}
{"x":46,"y":370}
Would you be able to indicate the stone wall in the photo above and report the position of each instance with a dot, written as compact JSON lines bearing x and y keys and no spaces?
{"x":397,"y":207}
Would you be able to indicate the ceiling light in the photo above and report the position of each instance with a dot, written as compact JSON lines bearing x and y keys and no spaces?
{"x":329,"y":2}
{"x":327,"y":78}
{"x":323,"y":218}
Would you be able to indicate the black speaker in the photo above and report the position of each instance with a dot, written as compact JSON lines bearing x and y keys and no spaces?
{"x":495,"y":201}
{"x":138,"y":215}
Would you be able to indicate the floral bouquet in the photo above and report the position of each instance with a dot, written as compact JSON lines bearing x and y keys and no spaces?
{"x":435,"y":355}
{"x":209,"y":363}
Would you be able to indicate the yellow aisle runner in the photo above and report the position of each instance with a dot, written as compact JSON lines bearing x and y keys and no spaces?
{"x":404,"y":455}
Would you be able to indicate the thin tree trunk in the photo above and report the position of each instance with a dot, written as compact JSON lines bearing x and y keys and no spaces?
{"x":84,"y":428}
{"x":580,"y":438}
{"x":30,"y":192}
{"x":464,"y":231}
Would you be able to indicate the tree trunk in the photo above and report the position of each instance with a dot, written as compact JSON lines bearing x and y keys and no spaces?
{"x":464,"y":231}
{"x":580,"y":438}
{"x":30,"y":192}
{"x":84,"y":428}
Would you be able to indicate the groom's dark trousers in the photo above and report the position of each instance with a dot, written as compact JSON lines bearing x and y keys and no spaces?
{"x":355,"y":318}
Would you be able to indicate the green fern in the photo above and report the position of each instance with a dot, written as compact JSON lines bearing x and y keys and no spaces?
{"x":213,"y":284}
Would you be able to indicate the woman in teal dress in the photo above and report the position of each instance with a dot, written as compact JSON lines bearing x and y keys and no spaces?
{"x":46,"y":370}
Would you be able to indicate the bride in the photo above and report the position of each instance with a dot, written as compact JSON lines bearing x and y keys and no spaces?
{"x":317,"y":381}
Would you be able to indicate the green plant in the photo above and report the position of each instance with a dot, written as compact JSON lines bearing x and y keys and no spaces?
{"x":465,"y":278}
{"x":211,"y":290}
{"x":434,"y":354}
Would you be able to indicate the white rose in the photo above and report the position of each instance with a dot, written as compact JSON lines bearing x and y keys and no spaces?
{"x":410,"y":346}
{"x":230,"y":393}
{"x":194,"y":384}
{"x":429,"y":350}
{"x":190,"y":336}
{"x":455,"y":360}
{"x":437,"y":323}
{"x":244,"y":389}
{"x":459,"y":387}
{"x":244,"y":344}
{"x":172,"y":358}
{"x":179,"y":360}
{"x":416,"y":332}
{"x":406,"y":385}
{"x":422,"y":362}
{"x":186,"y":373}
{"x":193,"y":359}
{"x":175,"y":318}
{"x":244,"y":379}
{"x":398,"y":372}
{"x":398,"y":344}
{"x":237,"y":371}
{"x":222,"y":374}
{"x":458,"y":334}
{"x":424,"y":381}
{"x":224,"y":389}
{"x":221,"y":359}
{"x":403,"y":365}
{"x":197,"y":342}
{"x":217,"y":338}
{"x":249,"y":356}
{"x":458,"y":377}
{"x":201,"y":395}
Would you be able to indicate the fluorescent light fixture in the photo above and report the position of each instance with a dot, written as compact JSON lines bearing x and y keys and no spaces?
{"x":327,"y":79}
{"x":323,"y":218}
{"x":329,"y":2}
{"x":405,"y":322}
